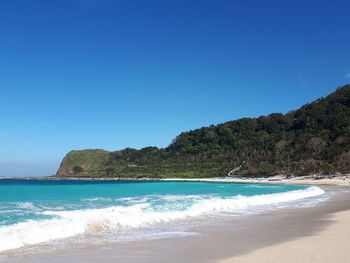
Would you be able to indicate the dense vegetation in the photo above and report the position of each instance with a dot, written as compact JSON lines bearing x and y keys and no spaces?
{"x":314,"y":139}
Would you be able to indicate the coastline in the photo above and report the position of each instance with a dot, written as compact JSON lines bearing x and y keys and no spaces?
{"x":279,"y":179}
{"x":343,"y":180}
{"x":217,"y":242}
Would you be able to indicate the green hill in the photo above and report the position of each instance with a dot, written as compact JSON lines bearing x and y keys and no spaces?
{"x":314,"y":139}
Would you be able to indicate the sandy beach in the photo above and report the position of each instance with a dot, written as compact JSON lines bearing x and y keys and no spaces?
{"x":278,"y":179}
{"x":326,"y":246}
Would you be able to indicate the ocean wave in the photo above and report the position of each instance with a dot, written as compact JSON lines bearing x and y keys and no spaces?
{"x":66,"y":224}
{"x":18,"y":205}
{"x":97,"y":199}
{"x":265,"y":186}
{"x":26,"y":205}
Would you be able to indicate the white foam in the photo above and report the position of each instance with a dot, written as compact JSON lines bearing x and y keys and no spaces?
{"x":25,"y":205}
{"x":97,"y":199}
{"x":70,"y":223}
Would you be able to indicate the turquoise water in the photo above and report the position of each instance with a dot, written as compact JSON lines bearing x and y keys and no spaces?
{"x":32,"y":211}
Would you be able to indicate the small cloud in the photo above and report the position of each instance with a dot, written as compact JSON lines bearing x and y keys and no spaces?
{"x":347,"y":75}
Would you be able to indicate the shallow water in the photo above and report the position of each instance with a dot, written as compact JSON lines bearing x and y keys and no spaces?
{"x":35,"y":212}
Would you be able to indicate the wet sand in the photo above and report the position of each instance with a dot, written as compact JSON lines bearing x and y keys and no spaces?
{"x":231,"y":240}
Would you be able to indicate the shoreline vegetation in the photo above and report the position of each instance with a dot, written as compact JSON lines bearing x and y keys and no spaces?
{"x":314,"y":139}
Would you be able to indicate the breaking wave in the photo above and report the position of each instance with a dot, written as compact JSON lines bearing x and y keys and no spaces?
{"x":64,"y":224}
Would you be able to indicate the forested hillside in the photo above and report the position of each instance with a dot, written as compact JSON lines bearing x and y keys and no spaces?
{"x":314,"y":139}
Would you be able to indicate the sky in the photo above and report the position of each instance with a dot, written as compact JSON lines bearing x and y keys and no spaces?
{"x":110,"y":74}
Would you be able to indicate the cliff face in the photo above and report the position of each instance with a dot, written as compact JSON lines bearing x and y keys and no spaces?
{"x":312,"y":139}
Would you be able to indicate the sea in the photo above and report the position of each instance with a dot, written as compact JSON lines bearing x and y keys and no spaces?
{"x":36,"y":213}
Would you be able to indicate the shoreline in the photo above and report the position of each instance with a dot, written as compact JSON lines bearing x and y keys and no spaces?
{"x":343,"y":180}
{"x":302,"y":180}
{"x":217,"y":242}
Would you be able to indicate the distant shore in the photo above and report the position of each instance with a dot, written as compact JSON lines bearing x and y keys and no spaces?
{"x":343,"y":180}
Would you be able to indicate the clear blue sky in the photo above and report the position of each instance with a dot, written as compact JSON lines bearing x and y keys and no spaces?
{"x":111,"y":74}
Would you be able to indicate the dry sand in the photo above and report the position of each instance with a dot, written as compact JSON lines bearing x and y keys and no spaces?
{"x":328,"y":246}
{"x":279,"y":179}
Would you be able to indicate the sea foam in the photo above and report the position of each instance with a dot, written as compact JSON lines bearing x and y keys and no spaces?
{"x":64,"y":224}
